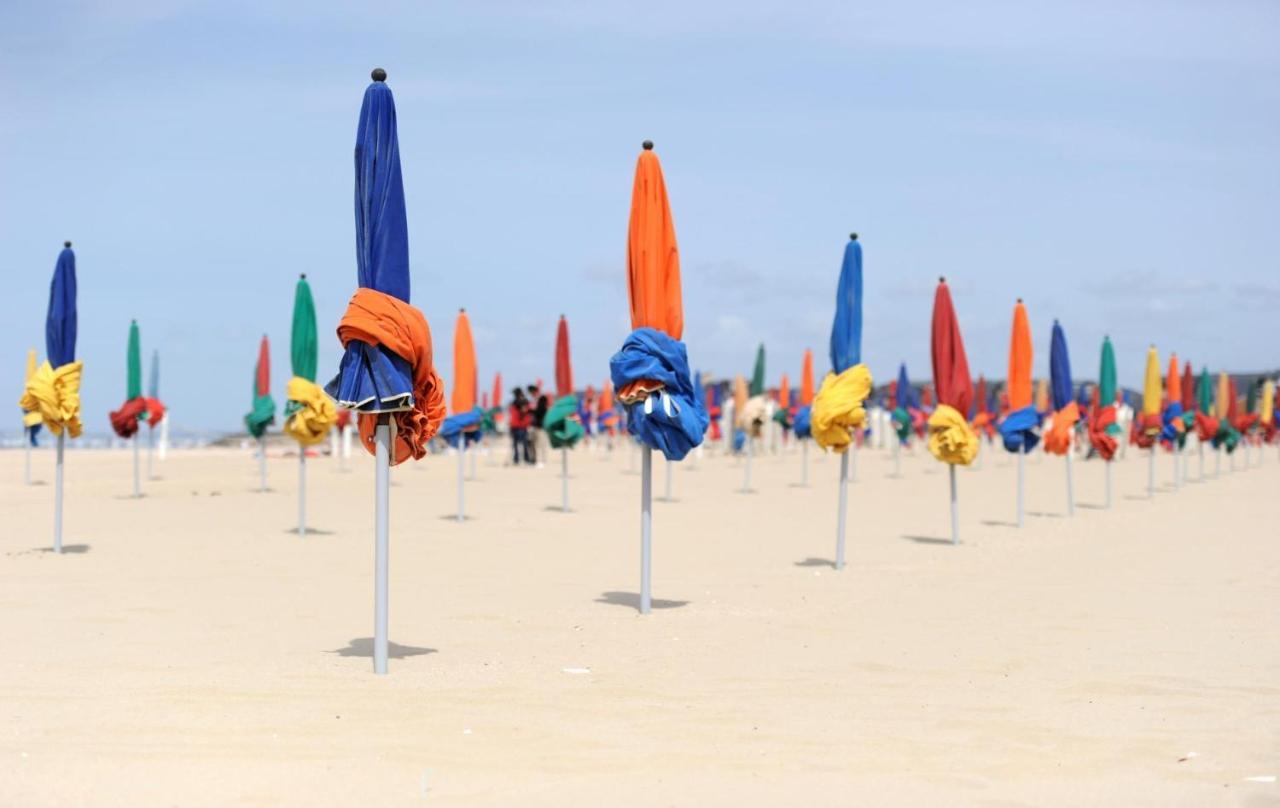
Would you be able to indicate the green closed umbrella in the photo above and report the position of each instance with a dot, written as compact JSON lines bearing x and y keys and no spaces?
{"x":304,"y":355}
{"x":757,"y":376}
{"x":264,"y":408}
{"x":133,"y":388}
{"x":1107,"y":375}
{"x":1204,"y":393}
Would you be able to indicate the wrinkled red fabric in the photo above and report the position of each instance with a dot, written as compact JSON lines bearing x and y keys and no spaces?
{"x":155,"y":412}
{"x":1206,"y":427}
{"x":1102,"y":441}
{"x":125,"y":420}
{"x":1146,"y":430}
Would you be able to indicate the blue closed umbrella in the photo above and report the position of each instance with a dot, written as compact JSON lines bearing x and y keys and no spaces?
{"x":1059,"y":368}
{"x":846,"y":330}
{"x":372,"y":379}
{"x":60,"y":324}
{"x":908,"y":398}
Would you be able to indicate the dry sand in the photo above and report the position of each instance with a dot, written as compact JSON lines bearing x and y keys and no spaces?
{"x":190,"y":649}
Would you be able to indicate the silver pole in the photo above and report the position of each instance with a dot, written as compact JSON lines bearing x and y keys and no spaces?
{"x":746,"y":466}
{"x":1071,"y":488}
{"x":853,"y":462}
{"x":646,"y":526}
{"x":1022,"y":482}
{"x":1176,"y":451}
{"x":842,"y":510}
{"x":667,"y":497}
{"x":57,"y":494}
{"x":151,"y":450}
{"x":955,"y":507}
{"x":137,"y":483}
{"x":897,"y":454}
{"x":1200,"y":452}
{"x":1108,"y":466}
{"x":471,"y":464}
{"x":302,"y":490}
{"x":804,"y":463}
{"x":26,"y":443}
{"x":1151,"y":471}
{"x":262,"y":462}
{"x":382,"y":543}
{"x":462,"y":490}
{"x":1217,"y":461}
{"x":564,"y":479}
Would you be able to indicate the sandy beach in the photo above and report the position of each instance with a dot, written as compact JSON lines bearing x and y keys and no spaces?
{"x":191,"y":649}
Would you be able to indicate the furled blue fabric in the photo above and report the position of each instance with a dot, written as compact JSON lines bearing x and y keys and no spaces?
{"x":801,"y":426}
{"x":464,"y":426}
{"x":372,"y":379}
{"x":674,"y":419}
{"x":1059,"y":368}
{"x":61,"y":322}
{"x":1169,"y":421}
{"x":739,"y":440}
{"x":846,"y":329}
{"x":1020,"y":429}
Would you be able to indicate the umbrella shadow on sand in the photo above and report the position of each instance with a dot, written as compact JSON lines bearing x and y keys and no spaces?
{"x":816,"y":562}
{"x":363,"y":647}
{"x":632,"y":600}
{"x":926,"y":539}
{"x":311,"y":531}
{"x":66,"y":548}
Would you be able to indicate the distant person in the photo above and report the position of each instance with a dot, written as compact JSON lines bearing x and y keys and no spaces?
{"x":520,"y":418}
{"x":538,"y":435}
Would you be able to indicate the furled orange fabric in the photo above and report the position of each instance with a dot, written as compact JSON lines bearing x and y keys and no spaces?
{"x":380,"y":319}
{"x":1206,"y":427}
{"x":1058,"y":439}
{"x":1146,"y":429}
{"x":155,"y":412}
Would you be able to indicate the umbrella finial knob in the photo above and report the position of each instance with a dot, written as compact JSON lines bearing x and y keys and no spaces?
{"x":303,"y":276}
{"x":647,"y":145}
{"x":942,"y":279}
{"x":1019,"y":301}
{"x":66,"y":244}
{"x":853,"y":236}
{"x":378,"y":74}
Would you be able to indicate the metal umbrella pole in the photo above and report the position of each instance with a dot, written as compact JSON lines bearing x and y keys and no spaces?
{"x":302,"y":490}
{"x":842,"y":509}
{"x":382,"y":543}
{"x":646,"y":526}
{"x":57,"y":494}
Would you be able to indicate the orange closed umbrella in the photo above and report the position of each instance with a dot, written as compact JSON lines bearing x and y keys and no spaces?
{"x":1173,"y":381}
{"x":784,"y":392}
{"x":653,"y":261}
{"x":1019,"y":383}
{"x":465,"y":384}
{"x":497,"y":391}
{"x":651,"y":371}
{"x":806,"y":379}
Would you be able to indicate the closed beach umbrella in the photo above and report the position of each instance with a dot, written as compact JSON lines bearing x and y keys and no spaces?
{"x":155,"y":410}
{"x":838,"y":408}
{"x":802,"y":424}
{"x":806,"y":379}
{"x":1065,"y":410}
{"x":125,"y":420}
{"x":30,"y":418}
{"x":564,"y":367}
{"x":54,"y":389}
{"x":1102,"y":419}
{"x":651,"y":372}
{"x":951,"y":439}
{"x":562,"y":423}
{"x":1019,"y":429}
{"x":309,"y":412}
{"x":1149,"y":423}
{"x":756,"y":387}
{"x":464,"y":426}
{"x":386,"y":372}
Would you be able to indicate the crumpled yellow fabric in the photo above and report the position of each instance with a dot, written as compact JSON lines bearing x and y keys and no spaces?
{"x":30,"y":418}
{"x":951,"y":439}
{"x":55,"y":395}
{"x":837,"y":409}
{"x":311,"y":423}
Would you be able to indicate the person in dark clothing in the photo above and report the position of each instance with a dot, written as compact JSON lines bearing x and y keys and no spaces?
{"x":520,"y":418}
{"x":540,"y":445}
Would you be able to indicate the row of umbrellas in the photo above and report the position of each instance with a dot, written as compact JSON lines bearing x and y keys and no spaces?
{"x":387,"y":379}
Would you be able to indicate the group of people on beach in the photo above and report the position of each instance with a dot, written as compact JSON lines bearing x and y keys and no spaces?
{"x":525,"y":416}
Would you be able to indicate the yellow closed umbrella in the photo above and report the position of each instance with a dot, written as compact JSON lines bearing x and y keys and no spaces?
{"x":1149,"y":424}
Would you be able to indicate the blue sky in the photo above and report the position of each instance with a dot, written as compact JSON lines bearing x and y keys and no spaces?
{"x":1116,"y":164}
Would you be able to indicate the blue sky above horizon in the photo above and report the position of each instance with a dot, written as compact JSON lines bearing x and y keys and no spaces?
{"x":1115,"y":164}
